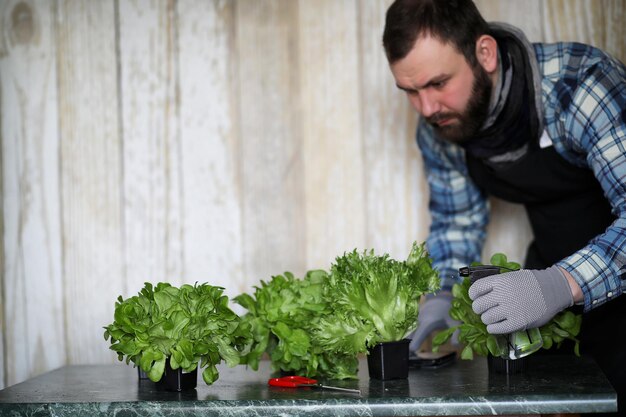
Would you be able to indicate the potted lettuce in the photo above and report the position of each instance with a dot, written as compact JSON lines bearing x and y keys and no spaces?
{"x":282,"y":314}
{"x":475,"y":338}
{"x":170,"y":332}
{"x":375,"y":302}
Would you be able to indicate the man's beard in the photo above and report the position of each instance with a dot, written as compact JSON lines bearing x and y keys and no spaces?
{"x":472,"y":119}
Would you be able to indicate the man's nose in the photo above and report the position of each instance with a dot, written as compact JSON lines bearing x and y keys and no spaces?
{"x":428,"y":105}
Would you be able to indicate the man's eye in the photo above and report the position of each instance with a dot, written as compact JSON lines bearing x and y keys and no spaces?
{"x":438,"y":84}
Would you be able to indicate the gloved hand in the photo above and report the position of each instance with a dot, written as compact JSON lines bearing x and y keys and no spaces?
{"x":433,"y":315}
{"x":521,"y":299}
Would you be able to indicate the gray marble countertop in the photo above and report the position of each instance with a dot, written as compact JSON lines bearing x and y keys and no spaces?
{"x":555,"y":384}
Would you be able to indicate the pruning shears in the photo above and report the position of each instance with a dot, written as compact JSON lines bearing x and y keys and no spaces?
{"x":300,"y":381}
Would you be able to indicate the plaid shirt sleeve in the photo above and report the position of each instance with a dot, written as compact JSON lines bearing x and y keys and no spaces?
{"x":585,"y":90}
{"x":458,"y":209}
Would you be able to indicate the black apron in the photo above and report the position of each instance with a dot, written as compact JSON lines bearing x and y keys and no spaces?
{"x":566,"y":208}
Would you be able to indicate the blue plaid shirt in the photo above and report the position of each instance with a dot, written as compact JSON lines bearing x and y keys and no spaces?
{"x":584,"y":98}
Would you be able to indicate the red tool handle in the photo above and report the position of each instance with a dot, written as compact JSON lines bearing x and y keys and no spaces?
{"x":291,"y":381}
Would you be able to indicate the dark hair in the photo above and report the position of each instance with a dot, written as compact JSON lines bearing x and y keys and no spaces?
{"x":455,"y":21}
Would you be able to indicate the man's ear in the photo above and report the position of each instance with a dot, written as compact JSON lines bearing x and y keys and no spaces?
{"x":487,"y":53}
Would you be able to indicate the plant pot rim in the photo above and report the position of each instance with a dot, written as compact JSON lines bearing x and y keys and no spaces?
{"x":395,"y":342}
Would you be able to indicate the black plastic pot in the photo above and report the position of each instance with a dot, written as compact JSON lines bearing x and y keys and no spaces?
{"x":172,"y":379}
{"x":142,"y":375}
{"x":177,"y":380}
{"x":506,"y":366}
{"x":389,"y":360}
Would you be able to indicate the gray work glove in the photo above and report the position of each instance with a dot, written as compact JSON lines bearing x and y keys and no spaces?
{"x":433,"y":315}
{"x":521,"y":299}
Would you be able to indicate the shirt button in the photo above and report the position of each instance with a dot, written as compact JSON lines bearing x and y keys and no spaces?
{"x":595,"y":302}
{"x":609,"y":294}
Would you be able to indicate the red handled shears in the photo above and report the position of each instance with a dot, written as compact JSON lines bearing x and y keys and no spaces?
{"x":300,"y":381}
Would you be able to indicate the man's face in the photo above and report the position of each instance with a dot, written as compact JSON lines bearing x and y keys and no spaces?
{"x":444,"y":89}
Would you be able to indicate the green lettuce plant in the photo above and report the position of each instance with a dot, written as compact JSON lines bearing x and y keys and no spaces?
{"x":473,"y":332}
{"x":191,"y":325}
{"x":282,"y":314}
{"x":374,"y":299}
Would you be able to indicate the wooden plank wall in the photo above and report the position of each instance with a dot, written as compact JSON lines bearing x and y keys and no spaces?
{"x":219,"y":141}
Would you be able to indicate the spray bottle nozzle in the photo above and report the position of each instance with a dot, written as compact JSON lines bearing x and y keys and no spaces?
{"x":480,"y":271}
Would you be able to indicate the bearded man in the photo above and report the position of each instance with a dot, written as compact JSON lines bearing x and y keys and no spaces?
{"x":542,"y":125}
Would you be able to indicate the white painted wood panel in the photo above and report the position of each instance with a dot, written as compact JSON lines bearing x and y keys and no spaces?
{"x":600,"y":23}
{"x":574,"y":20}
{"x":91,"y":176}
{"x":210,"y":148}
{"x":148,"y":64}
{"x":272,"y":154}
{"x":395,"y":190}
{"x":526,"y":15}
{"x":615,"y":28}
{"x":33,"y":332}
{"x":331,"y":129}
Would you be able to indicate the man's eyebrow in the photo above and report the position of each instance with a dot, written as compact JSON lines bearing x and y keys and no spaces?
{"x":429,"y":83}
